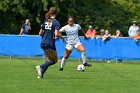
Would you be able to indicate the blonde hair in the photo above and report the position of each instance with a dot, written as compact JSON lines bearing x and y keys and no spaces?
{"x":52,"y":11}
{"x":107,"y":31}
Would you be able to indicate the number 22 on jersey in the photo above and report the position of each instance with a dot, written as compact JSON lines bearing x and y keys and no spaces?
{"x":48,"y":26}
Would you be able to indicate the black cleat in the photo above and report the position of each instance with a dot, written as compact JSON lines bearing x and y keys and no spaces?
{"x":87,"y":65}
{"x":61,"y":69}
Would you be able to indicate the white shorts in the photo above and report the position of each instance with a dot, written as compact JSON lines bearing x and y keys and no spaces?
{"x":72,"y":46}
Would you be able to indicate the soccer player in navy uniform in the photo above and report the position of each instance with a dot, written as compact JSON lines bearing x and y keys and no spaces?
{"x":25,"y":28}
{"x":48,"y":31}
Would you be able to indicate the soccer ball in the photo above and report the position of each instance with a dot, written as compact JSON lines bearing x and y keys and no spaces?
{"x":81,"y":68}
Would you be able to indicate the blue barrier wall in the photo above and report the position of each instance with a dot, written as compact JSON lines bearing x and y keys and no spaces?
{"x":28,"y":46}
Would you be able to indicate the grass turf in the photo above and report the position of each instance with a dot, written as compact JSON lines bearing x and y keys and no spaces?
{"x":19,"y":76}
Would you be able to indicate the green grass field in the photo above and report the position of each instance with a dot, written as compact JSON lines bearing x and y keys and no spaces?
{"x":19,"y":76}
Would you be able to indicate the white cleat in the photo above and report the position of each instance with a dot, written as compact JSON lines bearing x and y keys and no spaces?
{"x":39,"y":69}
{"x":39,"y":77}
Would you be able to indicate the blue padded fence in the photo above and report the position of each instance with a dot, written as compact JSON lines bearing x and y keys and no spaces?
{"x":28,"y":46}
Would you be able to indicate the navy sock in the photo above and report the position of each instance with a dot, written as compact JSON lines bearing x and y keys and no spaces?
{"x":46,"y":65}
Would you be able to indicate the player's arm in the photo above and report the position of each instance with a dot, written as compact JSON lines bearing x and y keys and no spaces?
{"x":83,"y":33}
{"x":41,"y":29}
{"x":58,"y":34}
{"x":21,"y":31}
{"x":41,"y":32}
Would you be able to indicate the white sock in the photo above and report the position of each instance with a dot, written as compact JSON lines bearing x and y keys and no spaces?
{"x":83,"y":55}
{"x":63,"y":62}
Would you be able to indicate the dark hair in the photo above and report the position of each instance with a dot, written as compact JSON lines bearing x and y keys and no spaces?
{"x":70,"y":17}
{"x":134,"y":22}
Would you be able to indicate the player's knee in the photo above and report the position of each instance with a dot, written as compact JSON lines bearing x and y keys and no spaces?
{"x":83,"y":50}
{"x":66,"y":56}
{"x":56,"y":60}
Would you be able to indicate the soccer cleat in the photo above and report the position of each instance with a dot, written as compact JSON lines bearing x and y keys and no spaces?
{"x":88,"y":65}
{"x":39,"y":69}
{"x":61,"y":69}
{"x":39,"y":77}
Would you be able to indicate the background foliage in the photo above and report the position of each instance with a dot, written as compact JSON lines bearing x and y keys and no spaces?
{"x":107,"y":14}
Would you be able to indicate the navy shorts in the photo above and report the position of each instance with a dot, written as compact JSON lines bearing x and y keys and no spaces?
{"x":48,"y":48}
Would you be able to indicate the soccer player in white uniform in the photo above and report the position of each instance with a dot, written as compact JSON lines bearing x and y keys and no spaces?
{"x":73,"y":41}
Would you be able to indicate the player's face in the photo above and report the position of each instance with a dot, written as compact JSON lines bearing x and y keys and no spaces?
{"x":106,"y":32}
{"x":27,"y":21}
{"x":102,"y":33}
{"x":70,"y":21}
{"x":134,"y":24}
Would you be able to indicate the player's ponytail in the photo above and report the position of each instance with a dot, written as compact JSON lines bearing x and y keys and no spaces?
{"x":52,"y":12}
{"x":48,"y":17}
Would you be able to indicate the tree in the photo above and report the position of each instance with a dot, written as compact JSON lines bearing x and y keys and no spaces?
{"x":107,"y":14}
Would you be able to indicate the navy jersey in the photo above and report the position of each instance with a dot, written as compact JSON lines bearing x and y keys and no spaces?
{"x":25,"y":28}
{"x":48,"y":37}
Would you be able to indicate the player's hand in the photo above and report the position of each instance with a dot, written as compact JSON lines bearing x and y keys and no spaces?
{"x":29,"y":24}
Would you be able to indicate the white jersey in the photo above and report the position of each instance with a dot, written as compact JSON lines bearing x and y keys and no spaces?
{"x":72,"y":33}
{"x":133,"y":30}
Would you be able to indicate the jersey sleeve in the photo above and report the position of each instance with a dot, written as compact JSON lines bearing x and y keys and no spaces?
{"x":63,"y":29}
{"x":57,"y":26}
{"x":79,"y":27}
{"x":43,"y":25}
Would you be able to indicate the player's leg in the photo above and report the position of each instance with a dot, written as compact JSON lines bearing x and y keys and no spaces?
{"x":64,"y":59}
{"x":67,"y":52}
{"x":51,"y":57}
{"x":81,"y":48}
